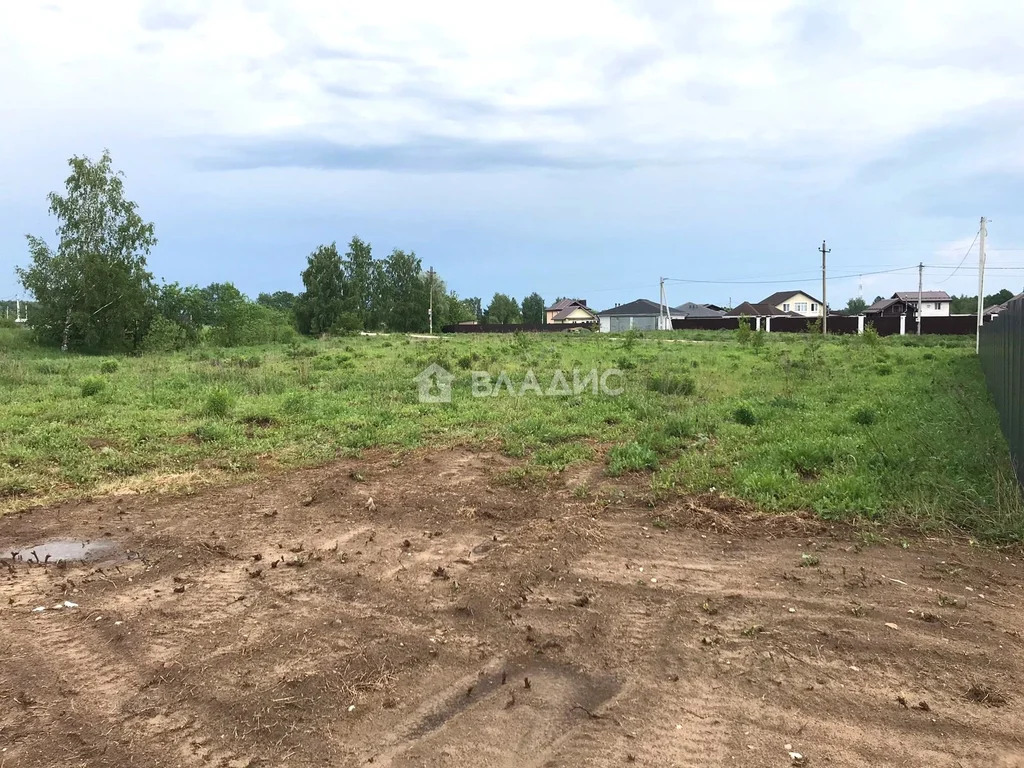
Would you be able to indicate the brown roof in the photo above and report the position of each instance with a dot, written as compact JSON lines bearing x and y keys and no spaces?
{"x":779,"y":297}
{"x":566,"y":303}
{"x":570,"y":309}
{"x":925,"y":296}
{"x":761,"y":309}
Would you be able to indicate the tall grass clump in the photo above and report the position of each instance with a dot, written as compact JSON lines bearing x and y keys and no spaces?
{"x":92,"y":386}
{"x":218,"y":403}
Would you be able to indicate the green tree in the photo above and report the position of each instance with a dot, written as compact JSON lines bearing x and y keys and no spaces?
{"x":404,"y":294}
{"x":503,"y":310}
{"x":283,"y":301}
{"x":473,"y":306}
{"x":361,"y":278}
{"x":94,"y":292}
{"x":533,"y":309}
{"x":322,"y":303}
{"x":855,"y":306}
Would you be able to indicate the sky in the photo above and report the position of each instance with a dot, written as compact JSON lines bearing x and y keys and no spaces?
{"x":582,"y":148}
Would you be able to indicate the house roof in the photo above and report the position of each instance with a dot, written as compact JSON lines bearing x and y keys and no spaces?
{"x":780,"y":297}
{"x":574,"y":307}
{"x":690,"y":309}
{"x":566,"y":303}
{"x":925,"y":296}
{"x":1001,"y":307}
{"x":761,"y":309}
{"x":881,"y":305}
{"x":638,"y":308}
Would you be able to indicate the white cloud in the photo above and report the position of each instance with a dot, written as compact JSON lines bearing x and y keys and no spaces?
{"x":594,"y":76}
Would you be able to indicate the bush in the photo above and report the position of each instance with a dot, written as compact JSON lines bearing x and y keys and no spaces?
{"x":218,"y":403}
{"x":745,"y":415}
{"x":108,"y":366}
{"x":744,"y":332}
{"x":680,"y":426}
{"x":631,"y":457}
{"x":164,"y":336}
{"x":630,"y":338}
{"x":92,"y":385}
{"x":757,"y":341}
{"x":870,"y":336}
{"x":864,"y":416}
{"x":672,"y":384}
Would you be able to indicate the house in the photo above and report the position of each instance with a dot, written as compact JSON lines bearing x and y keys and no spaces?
{"x":761,"y":309}
{"x":934,"y":303}
{"x":689,"y":309}
{"x":798,"y":302}
{"x":888,"y":308}
{"x":569,"y":312}
{"x":991,"y":313}
{"x":639,"y":315}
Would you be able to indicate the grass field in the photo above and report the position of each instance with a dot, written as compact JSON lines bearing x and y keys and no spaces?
{"x":895,"y":429}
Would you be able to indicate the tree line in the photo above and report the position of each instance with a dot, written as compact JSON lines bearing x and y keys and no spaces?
{"x":93,"y":292}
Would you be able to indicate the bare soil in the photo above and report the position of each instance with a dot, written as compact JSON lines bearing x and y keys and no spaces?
{"x":457,"y":621}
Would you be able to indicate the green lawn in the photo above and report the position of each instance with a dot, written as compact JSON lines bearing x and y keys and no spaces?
{"x":898,"y":429}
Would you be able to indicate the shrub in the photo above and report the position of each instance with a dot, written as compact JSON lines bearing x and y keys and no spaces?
{"x":745,"y":415}
{"x":92,"y":385}
{"x":625,"y":363}
{"x":883,"y":369}
{"x":864,"y":416}
{"x":210,"y":432}
{"x":218,"y":403}
{"x":108,"y":366}
{"x":672,"y":384}
{"x":870,"y":336}
{"x":631,"y":457}
{"x":630,"y":338}
{"x":680,"y":426}
{"x":744,"y":332}
{"x":757,"y":341}
{"x":164,"y":336}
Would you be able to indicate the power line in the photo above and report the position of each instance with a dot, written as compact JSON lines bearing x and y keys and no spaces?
{"x":968,"y":253}
{"x":773,"y":282}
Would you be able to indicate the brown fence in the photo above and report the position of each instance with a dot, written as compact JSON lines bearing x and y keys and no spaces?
{"x":1002,"y":359}
{"x":513,"y":327}
{"x":708,"y":323}
{"x":886,"y":325}
{"x":954,"y":325}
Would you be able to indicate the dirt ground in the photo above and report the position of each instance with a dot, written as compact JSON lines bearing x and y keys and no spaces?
{"x":457,"y":621}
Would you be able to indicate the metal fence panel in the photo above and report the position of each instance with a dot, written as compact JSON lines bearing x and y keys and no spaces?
{"x":1002,"y":359}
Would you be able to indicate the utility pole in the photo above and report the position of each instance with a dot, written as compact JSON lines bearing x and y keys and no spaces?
{"x":981,"y":283}
{"x":920,"y":294}
{"x":824,"y":297}
{"x":663,"y":308}
{"x":430,"y":310}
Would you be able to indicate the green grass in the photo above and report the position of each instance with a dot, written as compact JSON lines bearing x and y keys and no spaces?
{"x":890,"y":430}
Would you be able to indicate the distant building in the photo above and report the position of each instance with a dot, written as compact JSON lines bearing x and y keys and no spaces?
{"x":933,"y":303}
{"x":639,"y":315}
{"x":690,"y":309}
{"x":795,"y":301}
{"x":569,"y":312}
{"x":761,"y":309}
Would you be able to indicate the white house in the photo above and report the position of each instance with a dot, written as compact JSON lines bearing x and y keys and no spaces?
{"x":799,"y":302}
{"x":934,"y":303}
